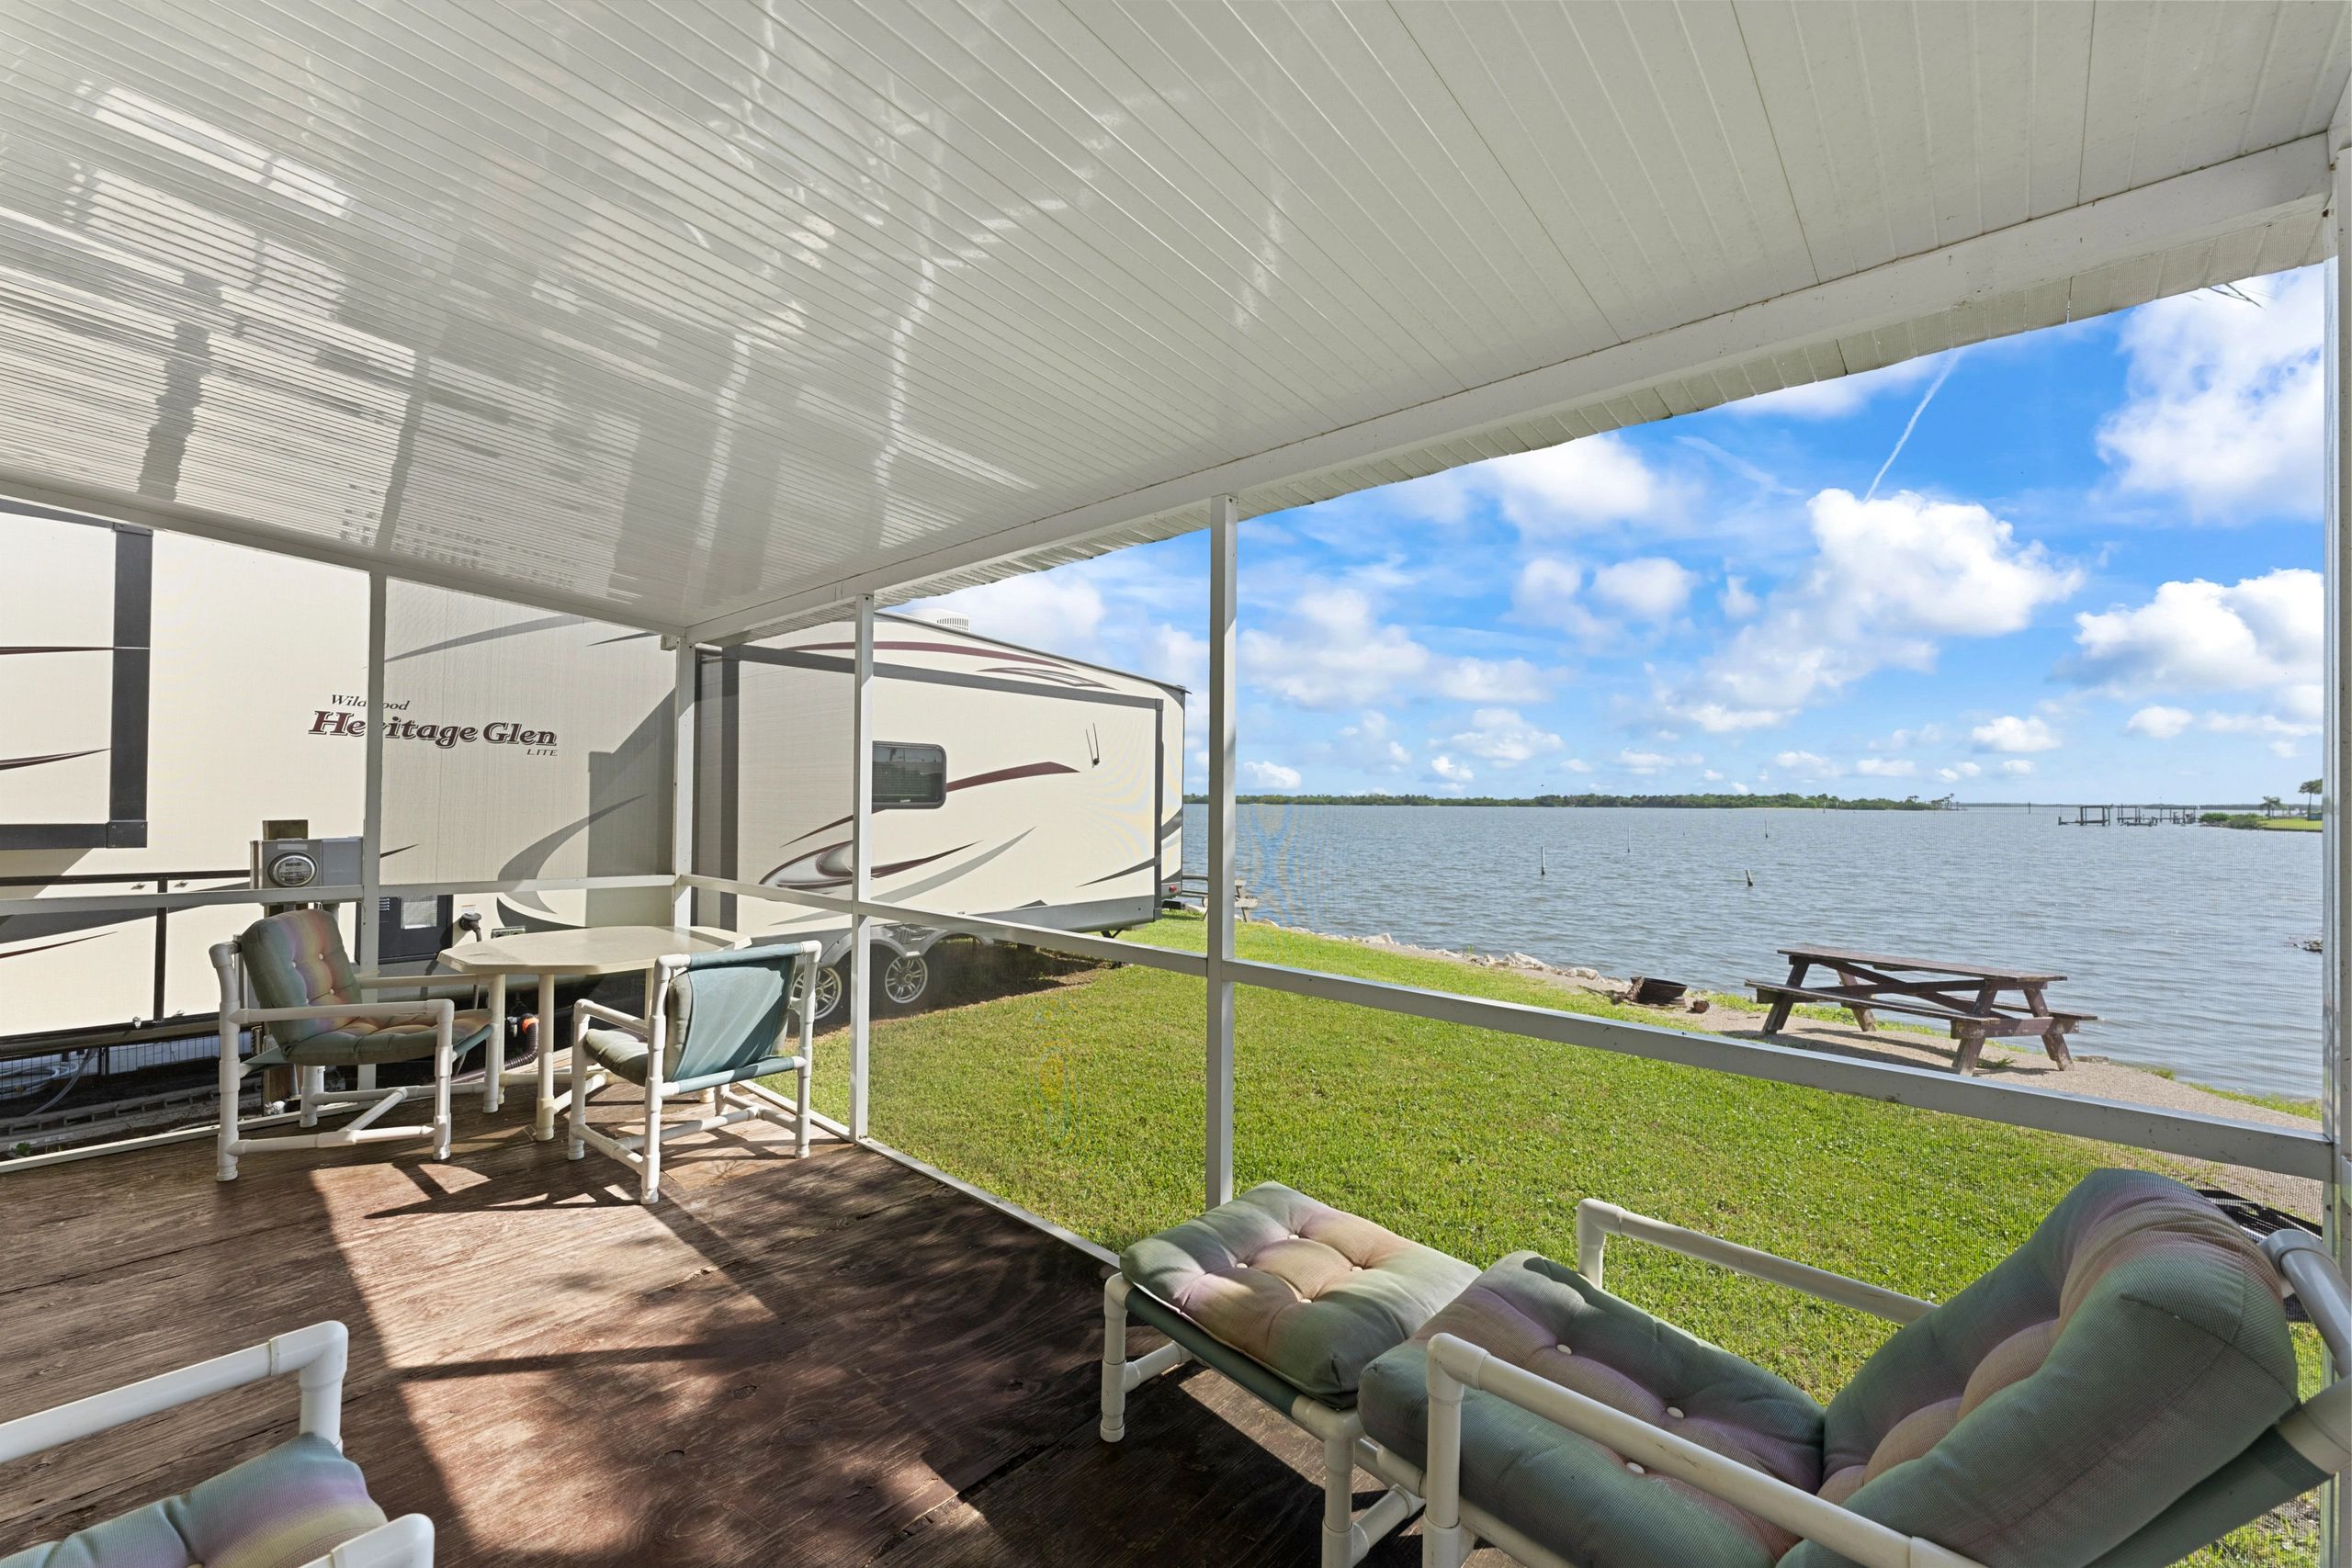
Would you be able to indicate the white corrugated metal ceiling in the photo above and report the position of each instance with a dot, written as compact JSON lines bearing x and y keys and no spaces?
{"x":703,"y":311}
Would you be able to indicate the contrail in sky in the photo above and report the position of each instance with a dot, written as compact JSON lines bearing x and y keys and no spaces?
{"x":1927,"y":398}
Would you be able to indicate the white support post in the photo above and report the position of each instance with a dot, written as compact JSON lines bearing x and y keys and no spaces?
{"x":681,"y":777}
{"x":2335,"y":772}
{"x":1219,"y":900}
{"x":371,"y":819}
{"x":861,"y":881}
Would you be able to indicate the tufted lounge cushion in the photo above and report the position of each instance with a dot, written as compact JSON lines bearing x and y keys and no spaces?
{"x":297,"y":960}
{"x":1303,"y":1289}
{"x":1575,"y":1495}
{"x":280,"y":1509}
{"x":2134,"y":1345}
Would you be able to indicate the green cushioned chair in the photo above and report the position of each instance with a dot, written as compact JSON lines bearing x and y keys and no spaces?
{"x":289,"y":975}
{"x":1291,"y":1299}
{"x":300,"y":1504}
{"x":717,"y":1021}
{"x":2119,"y":1391}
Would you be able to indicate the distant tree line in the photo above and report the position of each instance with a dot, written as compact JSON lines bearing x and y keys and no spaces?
{"x":1688,"y":801}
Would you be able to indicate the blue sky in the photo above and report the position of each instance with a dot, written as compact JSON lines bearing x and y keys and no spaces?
{"x":2088,"y":572}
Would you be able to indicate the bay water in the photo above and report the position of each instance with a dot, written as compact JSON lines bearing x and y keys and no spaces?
{"x":2183,"y":939}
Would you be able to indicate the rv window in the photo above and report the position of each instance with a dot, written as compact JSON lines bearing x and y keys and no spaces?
{"x":908,"y":777}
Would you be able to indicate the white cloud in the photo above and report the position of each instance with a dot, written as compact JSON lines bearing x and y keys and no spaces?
{"x":1886,"y":767}
{"x":2261,"y":633}
{"x":2010,"y":733}
{"x":1489,"y":681}
{"x":2158,"y":722}
{"x":1499,"y":736}
{"x":1891,"y":577}
{"x":1949,"y":775}
{"x":1054,"y":611}
{"x":1735,"y":601}
{"x":1598,"y":480}
{"x":1334,"y":651}
{"x":1647,"y":763}
{"x":1450,"y":771}
{"x":1717,"y":719}
{"x":1372,"y":745}
{"x":1576,"y":765}
{"x":1269,"y":775}
{"x":2258,"y":724}
{"x":2017,"y":767}
{"x":1648,"y":588}
{"x":1739,"y":789}
{"x":1806,"y":764}
{"x":1836,"y":398}
{"x":1967,"y":770}
{"x":2226,"y":398}
{"x":1334,"y":654}
{"x":1578,"y":484}
{"x":1712,"y":776}
{"x":1177,"y":657}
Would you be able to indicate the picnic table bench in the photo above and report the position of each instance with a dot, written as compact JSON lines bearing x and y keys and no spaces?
{"x":1967,"y":996}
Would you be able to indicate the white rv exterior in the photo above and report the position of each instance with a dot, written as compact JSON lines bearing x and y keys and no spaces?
{"x":1008,"y":783}
{"x":160,"y":696}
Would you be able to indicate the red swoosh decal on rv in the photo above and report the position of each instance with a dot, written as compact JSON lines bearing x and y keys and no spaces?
{"x":1026,"y":770}
{"x":52,"y":757}
{"x":827,"y":876}
{"x":28,"y":951}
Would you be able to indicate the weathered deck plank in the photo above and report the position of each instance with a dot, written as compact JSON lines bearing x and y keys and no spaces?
{"x":824,"y":1362}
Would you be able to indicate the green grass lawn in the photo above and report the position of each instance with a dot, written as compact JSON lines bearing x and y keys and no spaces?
{"x":1081,"y":1097}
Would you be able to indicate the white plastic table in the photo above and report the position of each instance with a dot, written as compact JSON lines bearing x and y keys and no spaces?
{"x":553,"y":955}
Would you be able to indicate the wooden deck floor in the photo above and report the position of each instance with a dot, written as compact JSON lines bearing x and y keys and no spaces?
{"x":826,"y":1361}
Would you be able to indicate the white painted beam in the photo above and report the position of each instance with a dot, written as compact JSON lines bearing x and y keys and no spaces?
{"x":683,"y":694}
{"x":1216,"y":899}
{"x":177,"y":517}
{"x":371,"y":812}
{"x":2241,"y":194}
{"x":861,"y":876}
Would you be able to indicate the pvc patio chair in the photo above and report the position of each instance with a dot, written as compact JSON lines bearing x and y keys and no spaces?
{"x":310,"y":1007}
{"x":2117,"y":1393}
{"x":302,"y":1502}
{"x":717,"y":1021}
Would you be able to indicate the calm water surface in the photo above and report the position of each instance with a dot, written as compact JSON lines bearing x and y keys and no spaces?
{"x":2182,"y":939}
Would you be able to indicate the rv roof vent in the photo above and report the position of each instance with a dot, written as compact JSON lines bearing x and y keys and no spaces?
{"x":952,"y":623}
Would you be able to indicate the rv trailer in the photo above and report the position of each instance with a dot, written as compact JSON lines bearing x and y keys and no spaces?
{"x":1008,"y":783}
{"x":518,"y":745}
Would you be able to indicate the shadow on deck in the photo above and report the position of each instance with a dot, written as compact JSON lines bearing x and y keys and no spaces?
{"x":826,"y":1361}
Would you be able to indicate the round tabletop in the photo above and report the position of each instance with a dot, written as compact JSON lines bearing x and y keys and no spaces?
{"x":591,"y":950}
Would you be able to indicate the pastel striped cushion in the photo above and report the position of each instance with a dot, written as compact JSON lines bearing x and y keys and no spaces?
{"x":297,"y":960}
{"x":280,"y":1509}
{"x":1308,"y":1291}
{"x":2130,"y":1348}
{"x":1577,"y":1495}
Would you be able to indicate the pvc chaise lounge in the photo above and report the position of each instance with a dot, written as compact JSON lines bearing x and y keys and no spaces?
{"x":1291,"y":1299}
{"x":2117,"y":1393}
{"x":300,"y":1504}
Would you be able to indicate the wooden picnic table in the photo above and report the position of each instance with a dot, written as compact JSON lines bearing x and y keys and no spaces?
{"x":1969,"y":997}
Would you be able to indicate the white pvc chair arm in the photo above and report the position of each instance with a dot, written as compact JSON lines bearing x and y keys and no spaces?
{"x":405,"y":1543}
{"x":451,"y":985}
{"x":1455,"y":1364}
{"x":625,"y":1023}
{"x":1597,"y":1221}
{"x":317,"y":1353}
